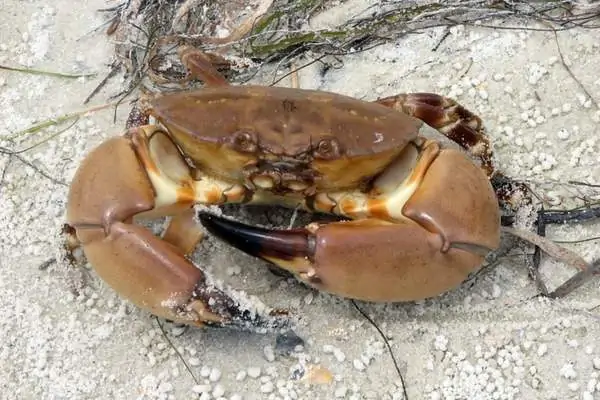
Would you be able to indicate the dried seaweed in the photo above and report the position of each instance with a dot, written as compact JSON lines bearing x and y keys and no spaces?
{"x":33,"y":71}
{"x":281,"y":31}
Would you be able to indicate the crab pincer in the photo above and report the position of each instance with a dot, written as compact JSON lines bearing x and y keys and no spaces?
{"x":419,"y":239}
{"x":145,"y":176}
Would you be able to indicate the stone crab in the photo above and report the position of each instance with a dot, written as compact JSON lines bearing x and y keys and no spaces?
{"x":419,"y":217}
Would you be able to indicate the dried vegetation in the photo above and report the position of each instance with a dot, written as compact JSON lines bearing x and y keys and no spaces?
{"x":243,"y":35}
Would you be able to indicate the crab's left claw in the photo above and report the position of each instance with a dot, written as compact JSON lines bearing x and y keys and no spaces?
{"x":367,"y":259}
{"x":120,"y":181}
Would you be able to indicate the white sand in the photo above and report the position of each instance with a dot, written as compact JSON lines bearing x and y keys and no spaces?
{"x":482,"y":341}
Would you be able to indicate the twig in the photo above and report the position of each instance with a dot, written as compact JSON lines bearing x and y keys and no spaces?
{"x":387,"y":343}
{"x":537,"y":255}
{"x":578,"y":241}
{"x":584,"y":184}
{"x":298,"y":69}
{"x":467,"y":69}
{"x":575,"y":281}
{"x":113,"y":70}
{"x":189,"y":369}
{"x":32,"y":166}
{"x":43,"y":266}
{"x":549,"y":247}
{"x":564,"y":64}
{"x":576,"y":215}
{"x":8,"y":161}
{"x":444,"y":36}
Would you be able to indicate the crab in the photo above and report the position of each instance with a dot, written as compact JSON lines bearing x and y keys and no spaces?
{"x":417,"y":217}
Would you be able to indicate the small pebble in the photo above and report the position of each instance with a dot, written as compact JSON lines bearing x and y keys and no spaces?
{"x":308,"y":299}
{"x":340,"y":392}
{"x":240,"y":376}
{"x":441,"y":343}
{"x":359,"y":365}
{"x":563,"y":134}
{"x":542,"y":349}
{"x":568,"y":371}
{"x":205,"y":372}
{"x":218,"y":391}
{"x":201,"y":389}
{"x":194,"y":361}
{"x":286,"y":342}
{"x":267,"y":387}
{"x":339,"y":355}
{"x":215,"y":375}
{"x":178,"y":330}
{"x":587,"y":396}
{"x":254,"y":372}
{"x":496,"y":291}
{"x":269,"y":353}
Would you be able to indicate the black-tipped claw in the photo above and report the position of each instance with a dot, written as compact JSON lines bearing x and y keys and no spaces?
{"x":268,"y":244}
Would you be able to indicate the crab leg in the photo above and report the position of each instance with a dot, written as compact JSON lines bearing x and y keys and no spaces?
{"x":449,"y":118}
{"x":464,"y":128}
{"x":423,"y":230}
{"x":200,"y":66}
{"x":144,"y":175}
{"x":183,"y":232}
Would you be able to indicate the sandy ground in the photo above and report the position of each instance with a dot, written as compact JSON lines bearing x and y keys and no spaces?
{"x":486,"y":340}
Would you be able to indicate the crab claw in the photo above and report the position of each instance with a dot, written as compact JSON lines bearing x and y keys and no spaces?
{"x":369,"y":259}
{"x":120,"y":181}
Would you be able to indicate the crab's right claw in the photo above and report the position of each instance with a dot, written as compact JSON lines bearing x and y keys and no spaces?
{"x":368,"y":260}
{"x":451,"y":222}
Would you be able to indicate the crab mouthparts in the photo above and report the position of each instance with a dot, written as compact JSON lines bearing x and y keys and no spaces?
{"x":291,"y":249}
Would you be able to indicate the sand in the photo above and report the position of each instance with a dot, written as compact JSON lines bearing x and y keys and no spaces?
{"x":489,"y":339}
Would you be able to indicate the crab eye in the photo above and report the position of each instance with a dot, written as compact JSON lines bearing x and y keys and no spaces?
{"x":244,"y":141}
{"x":327,"y":149}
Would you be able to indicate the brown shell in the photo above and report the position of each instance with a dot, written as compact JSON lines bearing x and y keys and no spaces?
{"x":227,"y":127}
